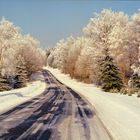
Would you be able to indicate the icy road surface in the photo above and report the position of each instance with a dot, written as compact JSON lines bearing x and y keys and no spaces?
{"x":57,"y":114}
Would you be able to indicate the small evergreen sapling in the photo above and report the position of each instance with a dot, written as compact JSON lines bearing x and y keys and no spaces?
{"x":4,"y":83}
{"x":21,"y":77}
{"x":110,"y":76}
{"x":135,"y":79}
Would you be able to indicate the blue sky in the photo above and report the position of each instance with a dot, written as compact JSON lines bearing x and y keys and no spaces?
{"x":51,"y":20}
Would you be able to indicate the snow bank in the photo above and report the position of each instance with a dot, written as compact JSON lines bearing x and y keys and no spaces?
{"x":12,"y":98}
{"x":119,"y":113}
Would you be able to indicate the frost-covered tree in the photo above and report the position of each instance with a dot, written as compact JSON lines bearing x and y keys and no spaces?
{"x":21,"y":77}
{"x":60,"y":53}
{"x":111,"y":29}
{"x":67,"y":63}
{"x":100,"y":27}
{"x":33,"y":55}
{"x":110,"y":75}
{"x":13,"y":42}
{"x":86,"y":65}
{"x":75,"y":47}
{"x":121,"y":47}
{"x":8,"y":38}
{"x":135,"y":38}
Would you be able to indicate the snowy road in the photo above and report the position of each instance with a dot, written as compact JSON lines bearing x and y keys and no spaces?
{"x":57,"y":114}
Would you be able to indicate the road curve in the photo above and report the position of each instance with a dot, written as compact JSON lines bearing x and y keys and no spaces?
{"x":57,"y":114}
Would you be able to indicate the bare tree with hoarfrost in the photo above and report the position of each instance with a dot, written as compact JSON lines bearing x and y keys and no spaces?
{"x":74,"y":53}
{"x":33,"y":55}
{"x":75,"y":46}
{"x":100,"y":27}
{"x":60,"y":53}
{"x":8,"y":34}
{"x":135,"y":27}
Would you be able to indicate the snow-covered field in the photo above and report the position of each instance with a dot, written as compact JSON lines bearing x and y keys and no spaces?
{"x":119,"y":113}
{"x":12,"y":98}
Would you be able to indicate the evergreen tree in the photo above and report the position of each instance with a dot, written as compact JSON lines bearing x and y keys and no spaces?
{"x":110,"y":76}
{"x":4,"y":83}
{"x":21,"y":77}
{"x":135,"y":79}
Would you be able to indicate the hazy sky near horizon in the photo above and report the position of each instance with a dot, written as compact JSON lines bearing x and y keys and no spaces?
{"x":51,"y":20}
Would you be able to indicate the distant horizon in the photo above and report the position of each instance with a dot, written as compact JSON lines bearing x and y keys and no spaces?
{"x":50,"y":21}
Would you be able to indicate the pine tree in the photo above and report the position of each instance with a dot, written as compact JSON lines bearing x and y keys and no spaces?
{"x":4,"y":83}
{"x":135,"y":79}
{"x":21,"y":77}
{"x":110,"y":76}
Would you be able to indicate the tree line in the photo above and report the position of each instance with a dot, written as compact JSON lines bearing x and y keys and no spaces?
{"x":109,"y":37}
{"x":20,"y":56}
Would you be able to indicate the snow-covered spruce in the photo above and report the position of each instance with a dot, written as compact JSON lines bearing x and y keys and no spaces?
{"x":21,"y":77}
{"x":110,"y":76}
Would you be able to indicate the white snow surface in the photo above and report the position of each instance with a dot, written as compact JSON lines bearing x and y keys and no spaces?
{"x":119,"y":113}
{"x":12,"y":98}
